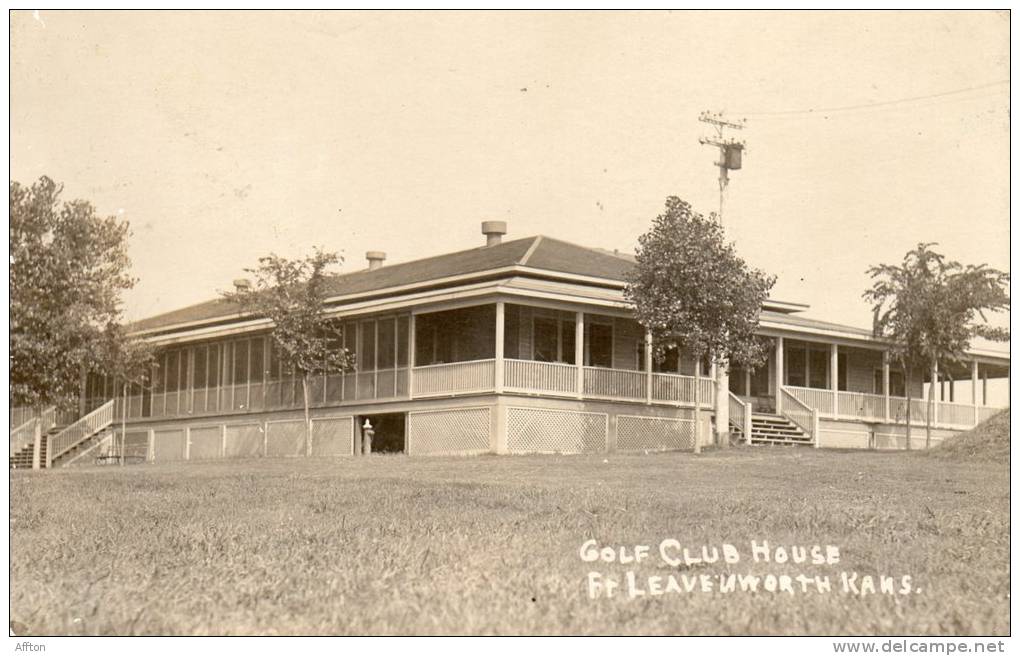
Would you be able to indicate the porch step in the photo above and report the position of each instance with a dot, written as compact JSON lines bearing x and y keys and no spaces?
{"x":778,"y":430}
{"x":22,"y":459}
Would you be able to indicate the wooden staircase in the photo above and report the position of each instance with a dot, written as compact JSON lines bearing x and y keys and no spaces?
{"x":62,"y":443}
{"x":777,"y":430}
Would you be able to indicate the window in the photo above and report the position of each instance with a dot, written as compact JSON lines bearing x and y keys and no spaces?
{"x":366,"y":361}
{"x":241,"y":362}
{"x":841,"y":375}
{"x":172,"y":371}
{"x":387,"y":343}
{"x":198,"y":373}
{"x":403,"y":341}
{"x":567,"y":341}
{"x":512,"y":331}
{"x":796,"y":371}
{"x":760,"y":380}
{"x":738,"y":380}
{"x":600,"y":345}
{"x":546,"y":342}
{"x":819,"y":368}
{"x":256,"y":368}
{"x":896,"y":386}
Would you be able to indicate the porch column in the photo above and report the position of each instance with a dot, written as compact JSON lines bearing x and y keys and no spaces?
{"x":722,"y":403}
{"x":498,"y":382}
{"x":984,"y":387}
{"x":648,"y":368}
{"x":410,"y":356}
{"x":834,"y":377}
{"x":973,"y":388}
{"x":579,"y":353}
{"x":747,"y":381}
{"x":938,"y":399}
{"x":885,"y":382}
{"x":779,"y":375}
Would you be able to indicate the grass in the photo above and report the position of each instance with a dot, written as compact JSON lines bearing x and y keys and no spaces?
{"x":489,"y":545}
{"x":988,"y":440}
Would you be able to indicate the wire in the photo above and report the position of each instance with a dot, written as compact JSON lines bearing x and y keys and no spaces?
{"x":792,"y":112}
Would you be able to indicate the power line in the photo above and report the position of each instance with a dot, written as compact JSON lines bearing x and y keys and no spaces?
{"x":885,"y":103}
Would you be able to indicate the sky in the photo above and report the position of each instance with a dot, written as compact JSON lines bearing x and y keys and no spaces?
{"x":223,"y":136}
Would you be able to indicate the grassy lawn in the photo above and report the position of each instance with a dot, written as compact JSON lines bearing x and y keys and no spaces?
{"x":395,"y":545}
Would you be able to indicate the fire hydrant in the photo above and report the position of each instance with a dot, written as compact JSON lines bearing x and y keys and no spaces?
{"x":367,"y":431}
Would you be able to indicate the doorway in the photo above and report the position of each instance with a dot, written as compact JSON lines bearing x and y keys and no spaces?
{"x":390,"y":432}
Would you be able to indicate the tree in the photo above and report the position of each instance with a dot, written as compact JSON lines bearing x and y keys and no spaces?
{"x":692,"y":291}
{"x":129,"y":361}
{"x":291,"y":294}
{"x":68,"y":268}
{"x":928,"y":308}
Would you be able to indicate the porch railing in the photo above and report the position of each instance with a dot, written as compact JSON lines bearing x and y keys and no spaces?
{"x":620,"y":384}
{"x":801,"y":414}
{"x":871,"y":407}
{"x":813,"y":398}
{"x":532,"y":376}
{"x":23,"y":435}
{"x":80,"y":430}
{"x":861,"y":406}
{"x":454,"y":378}
{"x":740,"y":416}
{"x":676,"y":388}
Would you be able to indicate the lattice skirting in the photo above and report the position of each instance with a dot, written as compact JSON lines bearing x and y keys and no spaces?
{"x":455,"y":431}
{"x":244,"y":441}
{"x":136,"y":444}
{"x":206,"y":443}
{"x":538,"y":430}
{"x":635,"y":433}
{"x":285,"y":438}
{"x":169,"y":445}
{"x":333,"y":436}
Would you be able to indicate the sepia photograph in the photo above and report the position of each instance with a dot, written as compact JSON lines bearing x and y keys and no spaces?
{"x":510,"y":323}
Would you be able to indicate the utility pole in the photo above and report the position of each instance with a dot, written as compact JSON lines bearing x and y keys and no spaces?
{"x":730,"y":156}
{"x":730,"y":150}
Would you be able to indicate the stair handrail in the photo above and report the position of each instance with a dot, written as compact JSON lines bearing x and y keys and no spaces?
{"x":80,"y":431}
{"x":809,"y":424}
{"x":22,"y":435}
{"x":740,"y":419}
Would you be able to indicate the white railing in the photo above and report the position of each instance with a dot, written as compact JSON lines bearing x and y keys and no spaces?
{"x":622,"y":384}
{"x":21,"y":415}
{"x":820,"y":399}
{"x":858,"y":405}
{"x":676,"y":388}
{"x":801,"y":414}
{"x":673,"y":388}
{"x":23,"y":435}
{"x":80,"y":430}
{"x":532,"y":376}
{"x":871,"y":407}
{"x":955,"y":414}
{"x":740,"y":416}
{"x":454,"y":378}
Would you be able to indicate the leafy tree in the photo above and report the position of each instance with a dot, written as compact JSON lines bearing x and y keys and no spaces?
{"x":930,"y":308}
{"x":129,"y":361}
{"x":68,"y":267}
{"x":692,"y":291}
{"x":291,"y":294}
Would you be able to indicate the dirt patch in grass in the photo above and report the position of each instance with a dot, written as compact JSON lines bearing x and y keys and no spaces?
{"x":403,"y":545}
{"x":988,"y":440}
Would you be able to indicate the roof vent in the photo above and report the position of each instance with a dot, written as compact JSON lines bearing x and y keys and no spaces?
{"x":375,"y":259}
{"x":493,"y":231}
{"x":242,"y":285}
